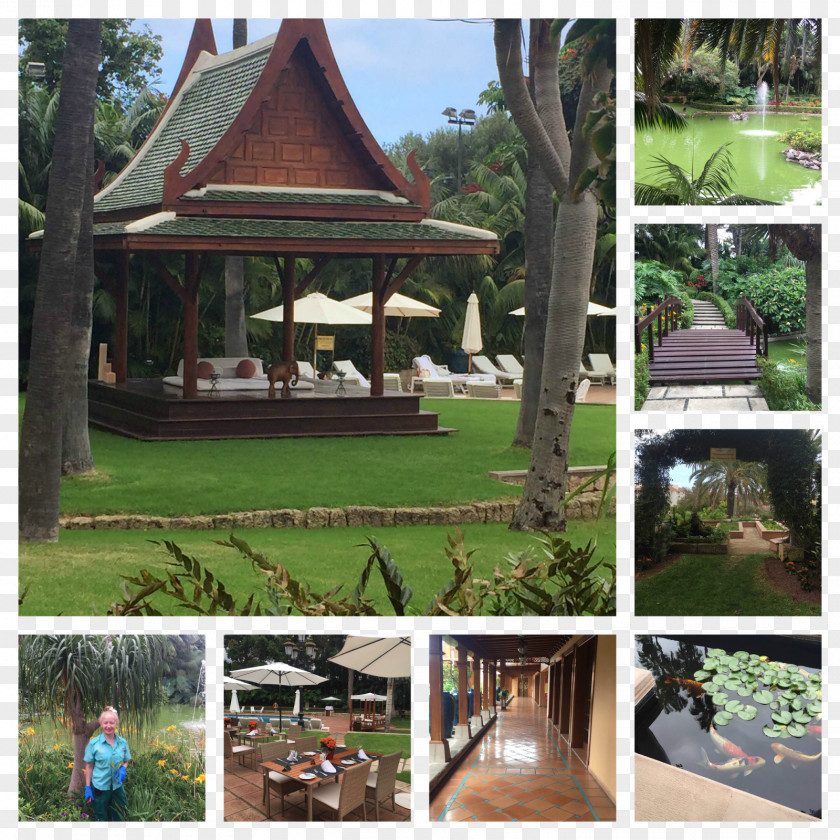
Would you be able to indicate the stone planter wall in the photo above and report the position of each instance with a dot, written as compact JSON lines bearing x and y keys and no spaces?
{"x":698,"y":548}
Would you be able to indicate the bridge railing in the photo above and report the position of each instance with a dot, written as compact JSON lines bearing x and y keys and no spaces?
{"x":752,"y":324}
{"x":667,"y":315}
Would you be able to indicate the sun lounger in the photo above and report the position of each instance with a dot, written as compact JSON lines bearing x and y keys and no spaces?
{"x":602,"y":366}
{"x":351,"y":375}
{"x":510,"y":364}
{"x":583,"y":373}
{"x":438,"y":388}
{"x":427,"y":369}
{"x":484,"y":390}
{"x":483,"y":365}
{"x":392,"y":381}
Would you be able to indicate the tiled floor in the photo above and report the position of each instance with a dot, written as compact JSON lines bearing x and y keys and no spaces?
{"x":519,"y":773}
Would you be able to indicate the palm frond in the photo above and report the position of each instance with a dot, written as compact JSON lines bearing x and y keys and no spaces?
{"x":664,"y":116}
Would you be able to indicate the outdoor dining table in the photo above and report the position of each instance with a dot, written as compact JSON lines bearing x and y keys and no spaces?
{"x":305,"y":765}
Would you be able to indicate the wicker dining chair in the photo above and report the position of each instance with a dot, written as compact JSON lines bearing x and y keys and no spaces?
{"x":382,"y":784}
{"x":292,"y":731}
{"x":276,"y":782}
{"x":348,"y":795}
{"x":239,"y":751}
{"x":308,"y":744}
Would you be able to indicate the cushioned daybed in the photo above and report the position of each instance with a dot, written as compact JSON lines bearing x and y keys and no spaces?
{"x":236,"y":375}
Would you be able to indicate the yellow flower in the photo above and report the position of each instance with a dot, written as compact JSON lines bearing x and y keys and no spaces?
{"x":200,"y":779}
{"x":69,"y":766}
{"x":30,"y":731}
{"x":170,"y":729}
{"x":189,"y":765}
{"x":55,"y":746}
{"x":185,"y":778}
{"x":162,"y":762}
{"x":174,"y":772}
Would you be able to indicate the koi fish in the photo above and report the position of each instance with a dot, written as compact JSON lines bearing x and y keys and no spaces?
{"x":725,"y":747}
{"x":689,"y":685}
{"x":783,"y":752}
{"x":814,"y":730}
{"x":745,"y":764}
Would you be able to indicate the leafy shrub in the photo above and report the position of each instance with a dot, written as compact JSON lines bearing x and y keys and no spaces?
{"x":808,"y":571}
{"x":726,"y":310}
{"x":718,"y":512}
{"x":803,"y":139}
{"x":654,"y":282}
{"x":642,"y":377}
{"x":699,"y":76}
{"x":784,"y":390}
{"x":651,"y":551}
{"x":741,"y":95}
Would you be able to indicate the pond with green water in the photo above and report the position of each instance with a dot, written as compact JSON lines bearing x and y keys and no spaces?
{"x":760,"y":168}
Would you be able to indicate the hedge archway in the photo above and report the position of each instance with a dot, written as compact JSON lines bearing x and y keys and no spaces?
{"x":792,"y":458}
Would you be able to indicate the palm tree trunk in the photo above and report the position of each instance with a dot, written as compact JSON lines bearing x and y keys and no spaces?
{"x":730,"y":498}
{"x":389,"y":703}
{"x":41,"y":430}
{"x":712,"y":250}
{"x":236,"y":335}
{"x":82,"y":732}
{"x":76,"y":457}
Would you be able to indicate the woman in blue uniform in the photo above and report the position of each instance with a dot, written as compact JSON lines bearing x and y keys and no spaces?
{"x":106,"y":762}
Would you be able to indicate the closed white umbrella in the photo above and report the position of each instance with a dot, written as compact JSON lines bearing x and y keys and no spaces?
{"x":471,"y":342}
{"x":398,"y":305}
{"x":234,"y":703}
{"x":378,"y":656}
{"x":317,"y":309}
{"x":296,"y":708}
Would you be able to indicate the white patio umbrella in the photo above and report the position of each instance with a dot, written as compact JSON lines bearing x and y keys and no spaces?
{"x":317,"y":309}
{"x":325,"y":699}
{"x":279,"y":674}
{"x":378,"y":656}
{"x":234,"y":703}
{"x":398,"y":305}
{"x":234,"y":686}
{"x":471,"y":342}
{"x":371,"y":697}
{"x":296,"y":708}
{"x":592,"y":308}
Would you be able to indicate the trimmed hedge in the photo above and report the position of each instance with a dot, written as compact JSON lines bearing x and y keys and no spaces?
{"x":727,"y":311}
{"x":642,"y":378}
{"x":721,"y":108}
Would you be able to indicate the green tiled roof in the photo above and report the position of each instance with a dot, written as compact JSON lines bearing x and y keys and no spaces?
{"x":273,"y":229}
{"x":368,"y":199}
{"x":201,"y":117}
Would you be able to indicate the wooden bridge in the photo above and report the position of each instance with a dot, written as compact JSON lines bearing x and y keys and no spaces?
{"x":708,"y":351}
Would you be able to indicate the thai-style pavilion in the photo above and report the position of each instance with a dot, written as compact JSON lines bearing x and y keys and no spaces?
{"x":261,"y":151}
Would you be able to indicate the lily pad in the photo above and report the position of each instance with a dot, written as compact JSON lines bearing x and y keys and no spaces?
{"x":711,"y":664}
{"x":802,"y":717}
{"x":775,"y":705}
{"x":788,"y":696}
{"x":734,"y":706}
{"x":797,"y":704}
{"x":720,"y":698}
{"x":772,"y":731}
{"x":710,"y":686}
{"x":754,"y":657}
{"x":796,"y":730}
{"x":732,"y":685}
{"x":814,"y":708}
{"x":741,"y":654}
{"x":701,"y":675}
{"x":792,"y":668}
{"x":717,"y":652}
{"x":719,"y":679}
{"x":747,"y":713}
{"x":745,"y":691}
{"x":782,"y":717}
{"x":763,"y":697}
{"x":784,"y":733}
{"x":722,"y":718}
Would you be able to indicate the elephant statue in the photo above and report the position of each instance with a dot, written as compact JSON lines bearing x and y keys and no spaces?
{"x":285,"y":372}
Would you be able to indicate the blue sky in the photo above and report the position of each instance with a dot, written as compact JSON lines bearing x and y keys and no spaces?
{"x":400,"y":73}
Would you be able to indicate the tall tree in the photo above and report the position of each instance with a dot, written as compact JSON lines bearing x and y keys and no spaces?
{"x":805,"y":243}
{"x":712,"y":251}
{"x":572,"y":166}
{"x":389,"y":703}
{"x":236,"y":334}
{"x":41,"y":430}
{"x":75,"y":677}
{"x":733,"y":481}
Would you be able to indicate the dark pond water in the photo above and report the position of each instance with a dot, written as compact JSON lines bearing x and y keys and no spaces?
{"x":682,"y":726}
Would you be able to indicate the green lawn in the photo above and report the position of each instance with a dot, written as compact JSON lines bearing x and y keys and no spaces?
{"x":384,"y":743}
{"x":713,"y":584}
{"x":80,"y":574}
{"x":220,"y":476}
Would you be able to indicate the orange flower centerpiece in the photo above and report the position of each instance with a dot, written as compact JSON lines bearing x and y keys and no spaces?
{"x":328,"y":747}
{"x":252,"y":725}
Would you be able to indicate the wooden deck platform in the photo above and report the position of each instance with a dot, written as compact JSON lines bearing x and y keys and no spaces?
{"x":704,"y":355}
{"x":146,"y":409}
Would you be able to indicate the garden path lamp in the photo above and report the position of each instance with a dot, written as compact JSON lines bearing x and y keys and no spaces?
{"x":279,"y":674}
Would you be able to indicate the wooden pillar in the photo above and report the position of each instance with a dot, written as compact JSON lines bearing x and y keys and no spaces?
{"x":462,"y":730}
{"x":192,"y":278}
{"x":438,"y":745}
{"x":476,"y":721}
{"x":487,"y":684}
{"x":120,"y":366}
{"x":377,"y":336}
{"x":288,"y":307}
{"x":493,"y":685}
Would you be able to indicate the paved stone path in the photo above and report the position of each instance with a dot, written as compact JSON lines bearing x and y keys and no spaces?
{"x":752,"y":543}
{"x":739,"y":398}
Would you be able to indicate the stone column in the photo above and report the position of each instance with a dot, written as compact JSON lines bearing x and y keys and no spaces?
{"x":475,"y":720}
{"x":462,"y":728}
{"x":493,"y":686}
{"x":438,"y":744}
